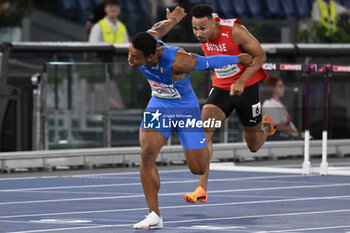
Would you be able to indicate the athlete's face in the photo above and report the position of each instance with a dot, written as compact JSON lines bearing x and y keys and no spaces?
{"x":136,"y":57}
{"x":203,"y":28}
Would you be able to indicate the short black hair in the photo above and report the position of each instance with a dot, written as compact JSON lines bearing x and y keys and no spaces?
{"x":201,"y":11}
{"x":111,"y":2}
{"x":145,"y":42}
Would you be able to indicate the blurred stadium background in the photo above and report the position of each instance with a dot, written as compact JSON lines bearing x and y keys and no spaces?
{"x":59,"y":92}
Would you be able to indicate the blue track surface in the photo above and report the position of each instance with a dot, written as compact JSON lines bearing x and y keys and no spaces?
{"x":237,"y":202}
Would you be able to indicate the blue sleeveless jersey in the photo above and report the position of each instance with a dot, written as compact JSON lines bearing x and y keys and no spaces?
{"x":173,"y":105}
{"x":162,"y":85}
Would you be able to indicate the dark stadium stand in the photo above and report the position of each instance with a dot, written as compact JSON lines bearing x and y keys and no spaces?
{"x":288,"y":9}
{"x":199,"y":1}
{"x":85,"y":5}
{"x":302,"y":8}
{"x":346,"y":3}
{"x":254,"y":9}
{"x":78,"y":10}
{"x":136,"y":15}
{"x":67,"y":8}
{"x":215,"y":5}
{"x":85,"y":8}
{"x":272,"y":8}
{"x":311,"y":2}
{"x":272,"y":15}
{"x":96,"y":2}
{"x":225,"y":9}
{"x":240,"y":8}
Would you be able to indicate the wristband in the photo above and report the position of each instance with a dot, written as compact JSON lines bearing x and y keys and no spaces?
{"x":173,"y":17}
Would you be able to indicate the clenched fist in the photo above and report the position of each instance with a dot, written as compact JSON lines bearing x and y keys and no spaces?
{"x":237,"y":87}
{"x":245,"y":59}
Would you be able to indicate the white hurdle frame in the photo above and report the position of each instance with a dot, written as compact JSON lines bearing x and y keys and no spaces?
{"x":307,"y":69}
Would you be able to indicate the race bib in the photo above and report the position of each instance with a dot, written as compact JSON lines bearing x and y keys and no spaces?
{"x":164,"y":91}
{"x":227,"y":71}
{"x":256,"y":109}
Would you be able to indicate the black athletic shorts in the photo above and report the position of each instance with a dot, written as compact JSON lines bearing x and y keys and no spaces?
{"x":247,"y":105}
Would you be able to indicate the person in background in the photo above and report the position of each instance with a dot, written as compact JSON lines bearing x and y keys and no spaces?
{"x":97,"y":13}
{"x":273,"y":90}
{"x":110,"y":29}
{"x":325,"y":15}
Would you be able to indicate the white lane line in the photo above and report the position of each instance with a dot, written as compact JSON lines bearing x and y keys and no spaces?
{"x":212,"y":228}
{"x":261,"y":216}
{"x":85,"y":223}
{"x":62,"y":221}
{"x":194,"y":220}
{"x":174,"y":194}
{"x":133,"y":184}
{"x":192,"y":228}
{"x":73,"y":228}
{"x":79,"y":193}
{"x":88,"y":175}
{"x":312,"y":229}
{"x":248,"y":196}
{"x":187,"y":206}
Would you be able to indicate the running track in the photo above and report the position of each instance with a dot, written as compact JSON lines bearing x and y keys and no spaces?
{"x":238,"y":202}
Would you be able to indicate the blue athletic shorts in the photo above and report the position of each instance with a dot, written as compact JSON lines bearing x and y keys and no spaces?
{"x":185,"y":118}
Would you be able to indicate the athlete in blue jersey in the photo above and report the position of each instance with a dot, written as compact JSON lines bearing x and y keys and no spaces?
{"x":173,"y":105}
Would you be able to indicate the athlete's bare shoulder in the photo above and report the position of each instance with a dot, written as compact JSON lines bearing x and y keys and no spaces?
{"x":238,"y":29}
{"x":184,"y":62}
{"x":247,"y":41}
{"x":241,"y":34}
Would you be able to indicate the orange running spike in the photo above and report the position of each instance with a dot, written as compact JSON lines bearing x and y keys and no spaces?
{"x":198,"y":195}
{"x":268,"y":123}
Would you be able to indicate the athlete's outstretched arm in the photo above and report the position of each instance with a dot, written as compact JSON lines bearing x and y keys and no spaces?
{"x":161,"y":28}
{"x":186,"y":62}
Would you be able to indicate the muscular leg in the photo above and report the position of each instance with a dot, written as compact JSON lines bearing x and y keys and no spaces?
{"x":197,"y":160}
{"x":151,"y":142}
{"x":255,"y":137}
{"x":209,"y":111}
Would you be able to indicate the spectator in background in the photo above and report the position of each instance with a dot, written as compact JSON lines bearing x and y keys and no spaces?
{"x":97,"y":13}
{"x":325,"y":16}
{"x":273,"y":90}
{"x":110,"y":29}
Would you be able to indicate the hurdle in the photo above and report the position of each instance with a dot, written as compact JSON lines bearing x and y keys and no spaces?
{"x":326,"y":69}
{"x":307,"y":69}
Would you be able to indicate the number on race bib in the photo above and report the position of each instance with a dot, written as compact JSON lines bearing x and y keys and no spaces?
{"x":256,"y":109}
